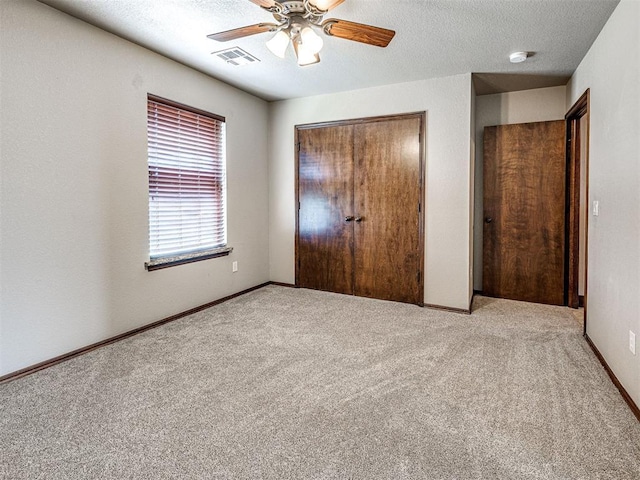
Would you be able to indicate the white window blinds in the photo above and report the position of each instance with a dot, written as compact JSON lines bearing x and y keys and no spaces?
{"x":186,"y":154}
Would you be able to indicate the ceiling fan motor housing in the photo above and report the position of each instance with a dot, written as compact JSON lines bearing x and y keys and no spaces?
{"x":285,"y":11}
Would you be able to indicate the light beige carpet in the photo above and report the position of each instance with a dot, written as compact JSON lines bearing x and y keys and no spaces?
{"x":285,"y":383}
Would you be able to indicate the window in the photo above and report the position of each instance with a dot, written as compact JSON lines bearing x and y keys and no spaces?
{"x":186,"y":155}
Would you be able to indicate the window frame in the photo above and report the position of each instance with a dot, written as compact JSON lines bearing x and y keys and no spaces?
{"x":170,"y":260}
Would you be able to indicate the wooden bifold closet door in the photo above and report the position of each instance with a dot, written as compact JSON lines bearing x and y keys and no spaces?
{"x":359,"y":223}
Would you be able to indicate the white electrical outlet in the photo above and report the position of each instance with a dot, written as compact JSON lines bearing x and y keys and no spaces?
{"x":234,"y":267}
{"x":632,"y":342}
{"x":596,"y":208}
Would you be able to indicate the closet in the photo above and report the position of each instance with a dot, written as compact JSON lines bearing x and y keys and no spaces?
{"x":359,"y":190}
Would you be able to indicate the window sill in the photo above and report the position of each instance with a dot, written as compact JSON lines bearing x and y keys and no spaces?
{"x":165,"y":262}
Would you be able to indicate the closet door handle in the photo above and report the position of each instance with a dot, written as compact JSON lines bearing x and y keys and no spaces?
{"x":348,"y":218}
{"x":358,"y":219}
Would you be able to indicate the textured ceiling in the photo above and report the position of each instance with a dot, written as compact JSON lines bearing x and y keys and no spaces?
{"x":434,"y":38}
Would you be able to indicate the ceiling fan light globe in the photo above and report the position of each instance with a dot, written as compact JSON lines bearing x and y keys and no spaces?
{"x":311,"y":40}
{"x":278,"y":44}
{"x":308,"y":60}
{"x":305,"y":55}
{"x":325,"y":5}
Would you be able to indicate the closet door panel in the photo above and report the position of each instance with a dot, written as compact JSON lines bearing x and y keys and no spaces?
{"x":387,"y":197}
{"x":325,"y":195}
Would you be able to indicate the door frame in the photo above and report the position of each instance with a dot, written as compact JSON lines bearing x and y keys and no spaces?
{"x":573,"y":117}
{"x":421,"y":218}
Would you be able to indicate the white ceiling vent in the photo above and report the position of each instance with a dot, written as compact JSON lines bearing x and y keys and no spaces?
{"x":236,"y":56}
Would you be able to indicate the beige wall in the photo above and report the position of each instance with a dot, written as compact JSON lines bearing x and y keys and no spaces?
{"x":611,"y":70}
{"x":447,"y":102}
{"x":539,"y":105}
{"x":74,"y":186}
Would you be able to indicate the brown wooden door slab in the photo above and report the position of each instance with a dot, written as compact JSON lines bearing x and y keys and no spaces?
{"x":387,"y":196}
{"x":325,"y":194}
{"x":524,"y":212}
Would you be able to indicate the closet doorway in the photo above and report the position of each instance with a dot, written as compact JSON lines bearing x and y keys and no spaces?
{"x":360,"y":215}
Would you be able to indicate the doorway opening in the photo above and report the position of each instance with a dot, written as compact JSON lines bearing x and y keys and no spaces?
{"x":577,"y":207}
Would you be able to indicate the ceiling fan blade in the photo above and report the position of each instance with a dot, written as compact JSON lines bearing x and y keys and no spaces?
{"x":326,"y":5}
{"x":264,"y":3}
{"x":242,"y":32}
{"x":358,"y":32}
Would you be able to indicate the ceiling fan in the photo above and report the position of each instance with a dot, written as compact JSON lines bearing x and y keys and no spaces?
{"x":296,"y":22}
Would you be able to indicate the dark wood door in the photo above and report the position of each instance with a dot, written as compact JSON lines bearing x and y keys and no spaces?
{"x":325,"y":216}
{"x":387,"y":199}
{"x":359,"y":195}
{"x":524,"y":212}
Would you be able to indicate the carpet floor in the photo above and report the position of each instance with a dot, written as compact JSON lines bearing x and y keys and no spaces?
{"x":291,"y":383}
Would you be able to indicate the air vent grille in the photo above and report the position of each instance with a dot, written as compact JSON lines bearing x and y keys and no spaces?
{"x":236,"y":56}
